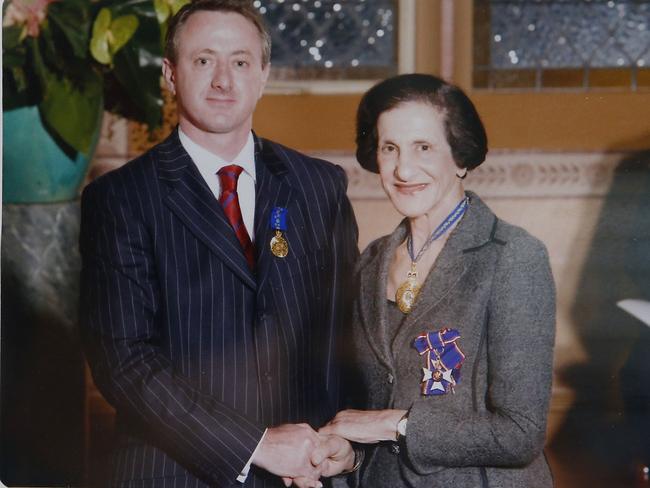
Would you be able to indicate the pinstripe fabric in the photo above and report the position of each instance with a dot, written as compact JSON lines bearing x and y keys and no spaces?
{"x":198,"y":354}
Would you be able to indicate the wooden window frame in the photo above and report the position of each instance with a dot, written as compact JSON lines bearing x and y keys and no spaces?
{"x":597,"y":119}
{"x":406,"y":32}
{"x":548,"y":120}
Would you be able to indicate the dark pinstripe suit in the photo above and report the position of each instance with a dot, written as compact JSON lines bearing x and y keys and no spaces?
{"x":198,"y":354}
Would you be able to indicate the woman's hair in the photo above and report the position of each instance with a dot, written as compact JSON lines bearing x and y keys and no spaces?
{"x":463,"y":127}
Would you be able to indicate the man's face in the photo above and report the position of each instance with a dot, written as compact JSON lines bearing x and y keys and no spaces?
{"x":218,"y":76}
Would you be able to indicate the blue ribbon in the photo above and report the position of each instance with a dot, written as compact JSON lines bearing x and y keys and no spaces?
{"x":278,"y":219}
{"x":443,"y":360}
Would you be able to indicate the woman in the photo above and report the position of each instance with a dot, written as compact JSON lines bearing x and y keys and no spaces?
{"x":455,"y":317}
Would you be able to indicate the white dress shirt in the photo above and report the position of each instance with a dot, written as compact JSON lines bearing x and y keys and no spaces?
{"x":209,"y":164}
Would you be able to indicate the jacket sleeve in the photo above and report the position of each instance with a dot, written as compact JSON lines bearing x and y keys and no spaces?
{"x":121,"y":313}
{"x":346,"y":235}
{"x":346,"y":254}
{"x":520,"y":331}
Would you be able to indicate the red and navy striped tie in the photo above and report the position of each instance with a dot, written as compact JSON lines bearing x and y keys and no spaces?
{"x":228,"y":176}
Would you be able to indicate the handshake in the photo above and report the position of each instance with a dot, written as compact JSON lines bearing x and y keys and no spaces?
{"x":300,"y":455}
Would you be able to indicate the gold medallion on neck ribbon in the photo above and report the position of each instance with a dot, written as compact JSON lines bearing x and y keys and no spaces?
{"x":408,"y":291}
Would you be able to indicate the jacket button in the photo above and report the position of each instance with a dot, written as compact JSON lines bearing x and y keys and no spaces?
{"x":390,"y":378}
{"x":394,"y":448}
{"x":268,"y":376}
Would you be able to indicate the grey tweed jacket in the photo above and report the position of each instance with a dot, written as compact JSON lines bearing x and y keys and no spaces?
{"x":492,"y":282}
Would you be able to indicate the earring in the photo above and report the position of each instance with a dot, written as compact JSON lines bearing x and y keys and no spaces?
{"x":462,"y":176}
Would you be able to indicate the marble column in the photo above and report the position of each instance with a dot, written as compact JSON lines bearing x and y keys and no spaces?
{"x":42,"y":365}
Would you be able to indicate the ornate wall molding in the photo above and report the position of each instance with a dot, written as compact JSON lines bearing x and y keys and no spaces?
{"x":510,"y":174}
{"x":505,"y":174}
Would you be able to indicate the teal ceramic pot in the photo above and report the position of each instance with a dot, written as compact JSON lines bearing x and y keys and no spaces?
{"x":34,"y":168}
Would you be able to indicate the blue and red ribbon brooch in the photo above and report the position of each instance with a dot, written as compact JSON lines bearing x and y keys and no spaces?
{"x":443,"y":360}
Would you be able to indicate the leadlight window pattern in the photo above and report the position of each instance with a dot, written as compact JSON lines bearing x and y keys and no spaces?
{"x":330,"y":39}
{"x":562,"y":43}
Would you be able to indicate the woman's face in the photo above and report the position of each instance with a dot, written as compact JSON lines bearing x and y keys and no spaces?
{"x":416,"y":167}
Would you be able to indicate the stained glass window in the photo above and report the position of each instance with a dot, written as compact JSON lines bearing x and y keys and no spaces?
{"x":561,"y":43}
{"x":332,"y":39}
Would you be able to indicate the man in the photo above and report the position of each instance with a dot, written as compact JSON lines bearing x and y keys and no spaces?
{"x":217,"y":352}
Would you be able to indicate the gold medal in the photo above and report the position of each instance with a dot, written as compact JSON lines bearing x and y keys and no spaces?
{"x":279,"y":245}
{"x":407,"y":292}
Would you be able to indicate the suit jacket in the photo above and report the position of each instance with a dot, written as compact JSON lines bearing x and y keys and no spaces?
{"x":197,"y":353}
{"x":491,"y":282}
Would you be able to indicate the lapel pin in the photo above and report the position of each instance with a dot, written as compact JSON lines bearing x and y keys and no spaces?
{"x":278,"y":223}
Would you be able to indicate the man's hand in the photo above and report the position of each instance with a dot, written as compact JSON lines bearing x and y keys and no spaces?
{"x":333,"y":456}
{"x":286,"y":451}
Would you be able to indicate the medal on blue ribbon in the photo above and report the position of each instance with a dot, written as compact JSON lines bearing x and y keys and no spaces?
{"x":278,"y":223}
{"x":443,"y":360}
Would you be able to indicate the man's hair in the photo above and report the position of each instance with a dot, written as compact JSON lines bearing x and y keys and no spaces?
{"x":244,"y":8}
{"x":463,"y":127}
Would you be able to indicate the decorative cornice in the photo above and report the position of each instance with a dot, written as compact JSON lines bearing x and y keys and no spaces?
{"x":505,"y":174}
{"x":510,"y":174}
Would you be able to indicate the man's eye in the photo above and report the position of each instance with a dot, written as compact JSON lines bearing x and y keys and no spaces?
{"x":242,"y":63}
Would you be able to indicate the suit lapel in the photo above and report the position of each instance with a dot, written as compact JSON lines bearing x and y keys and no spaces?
{"x":273,"y":190}
{"x":193,"y":203}
{"x":373,"y":294}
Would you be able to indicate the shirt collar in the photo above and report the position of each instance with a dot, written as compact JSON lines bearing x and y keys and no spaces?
{"x":209,"y":163}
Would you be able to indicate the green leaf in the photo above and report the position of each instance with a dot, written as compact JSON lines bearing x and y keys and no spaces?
{"x":162,"y":10}
{"x":99,"y":49}
{"x":13,"y":56}
{"x":177,"y":5}
{"x":133,"y":89}
{"x":46,"y":43}
{"x":109,"y":36}
{"x":122,"y":29}
{"x":72,"y":18}
{"x":19,"y":89}
{"x":20,"y":78}
{"x":11,"y":37}
{"x":13,"y":59}
{"x":102,"y":22}
{"x":140,"y":79}
{"x":72,"y":112}
{"x":99,"y":42}
{"x":141,"y":8}
{"x":40,"y":70}
{"x":165,"y":9}
{"x":138,"y":65}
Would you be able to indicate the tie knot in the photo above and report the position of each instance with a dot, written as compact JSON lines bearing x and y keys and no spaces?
{"x":228,"y":176}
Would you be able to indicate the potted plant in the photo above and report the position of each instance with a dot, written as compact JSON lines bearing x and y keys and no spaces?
{"x":65,"y":62}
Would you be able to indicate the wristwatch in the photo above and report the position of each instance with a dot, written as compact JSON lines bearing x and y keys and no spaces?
{"x":401,"y":427}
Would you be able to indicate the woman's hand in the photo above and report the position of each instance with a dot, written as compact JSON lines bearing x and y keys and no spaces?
{"x":364,"y":426}
{"x":333,"y":456}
